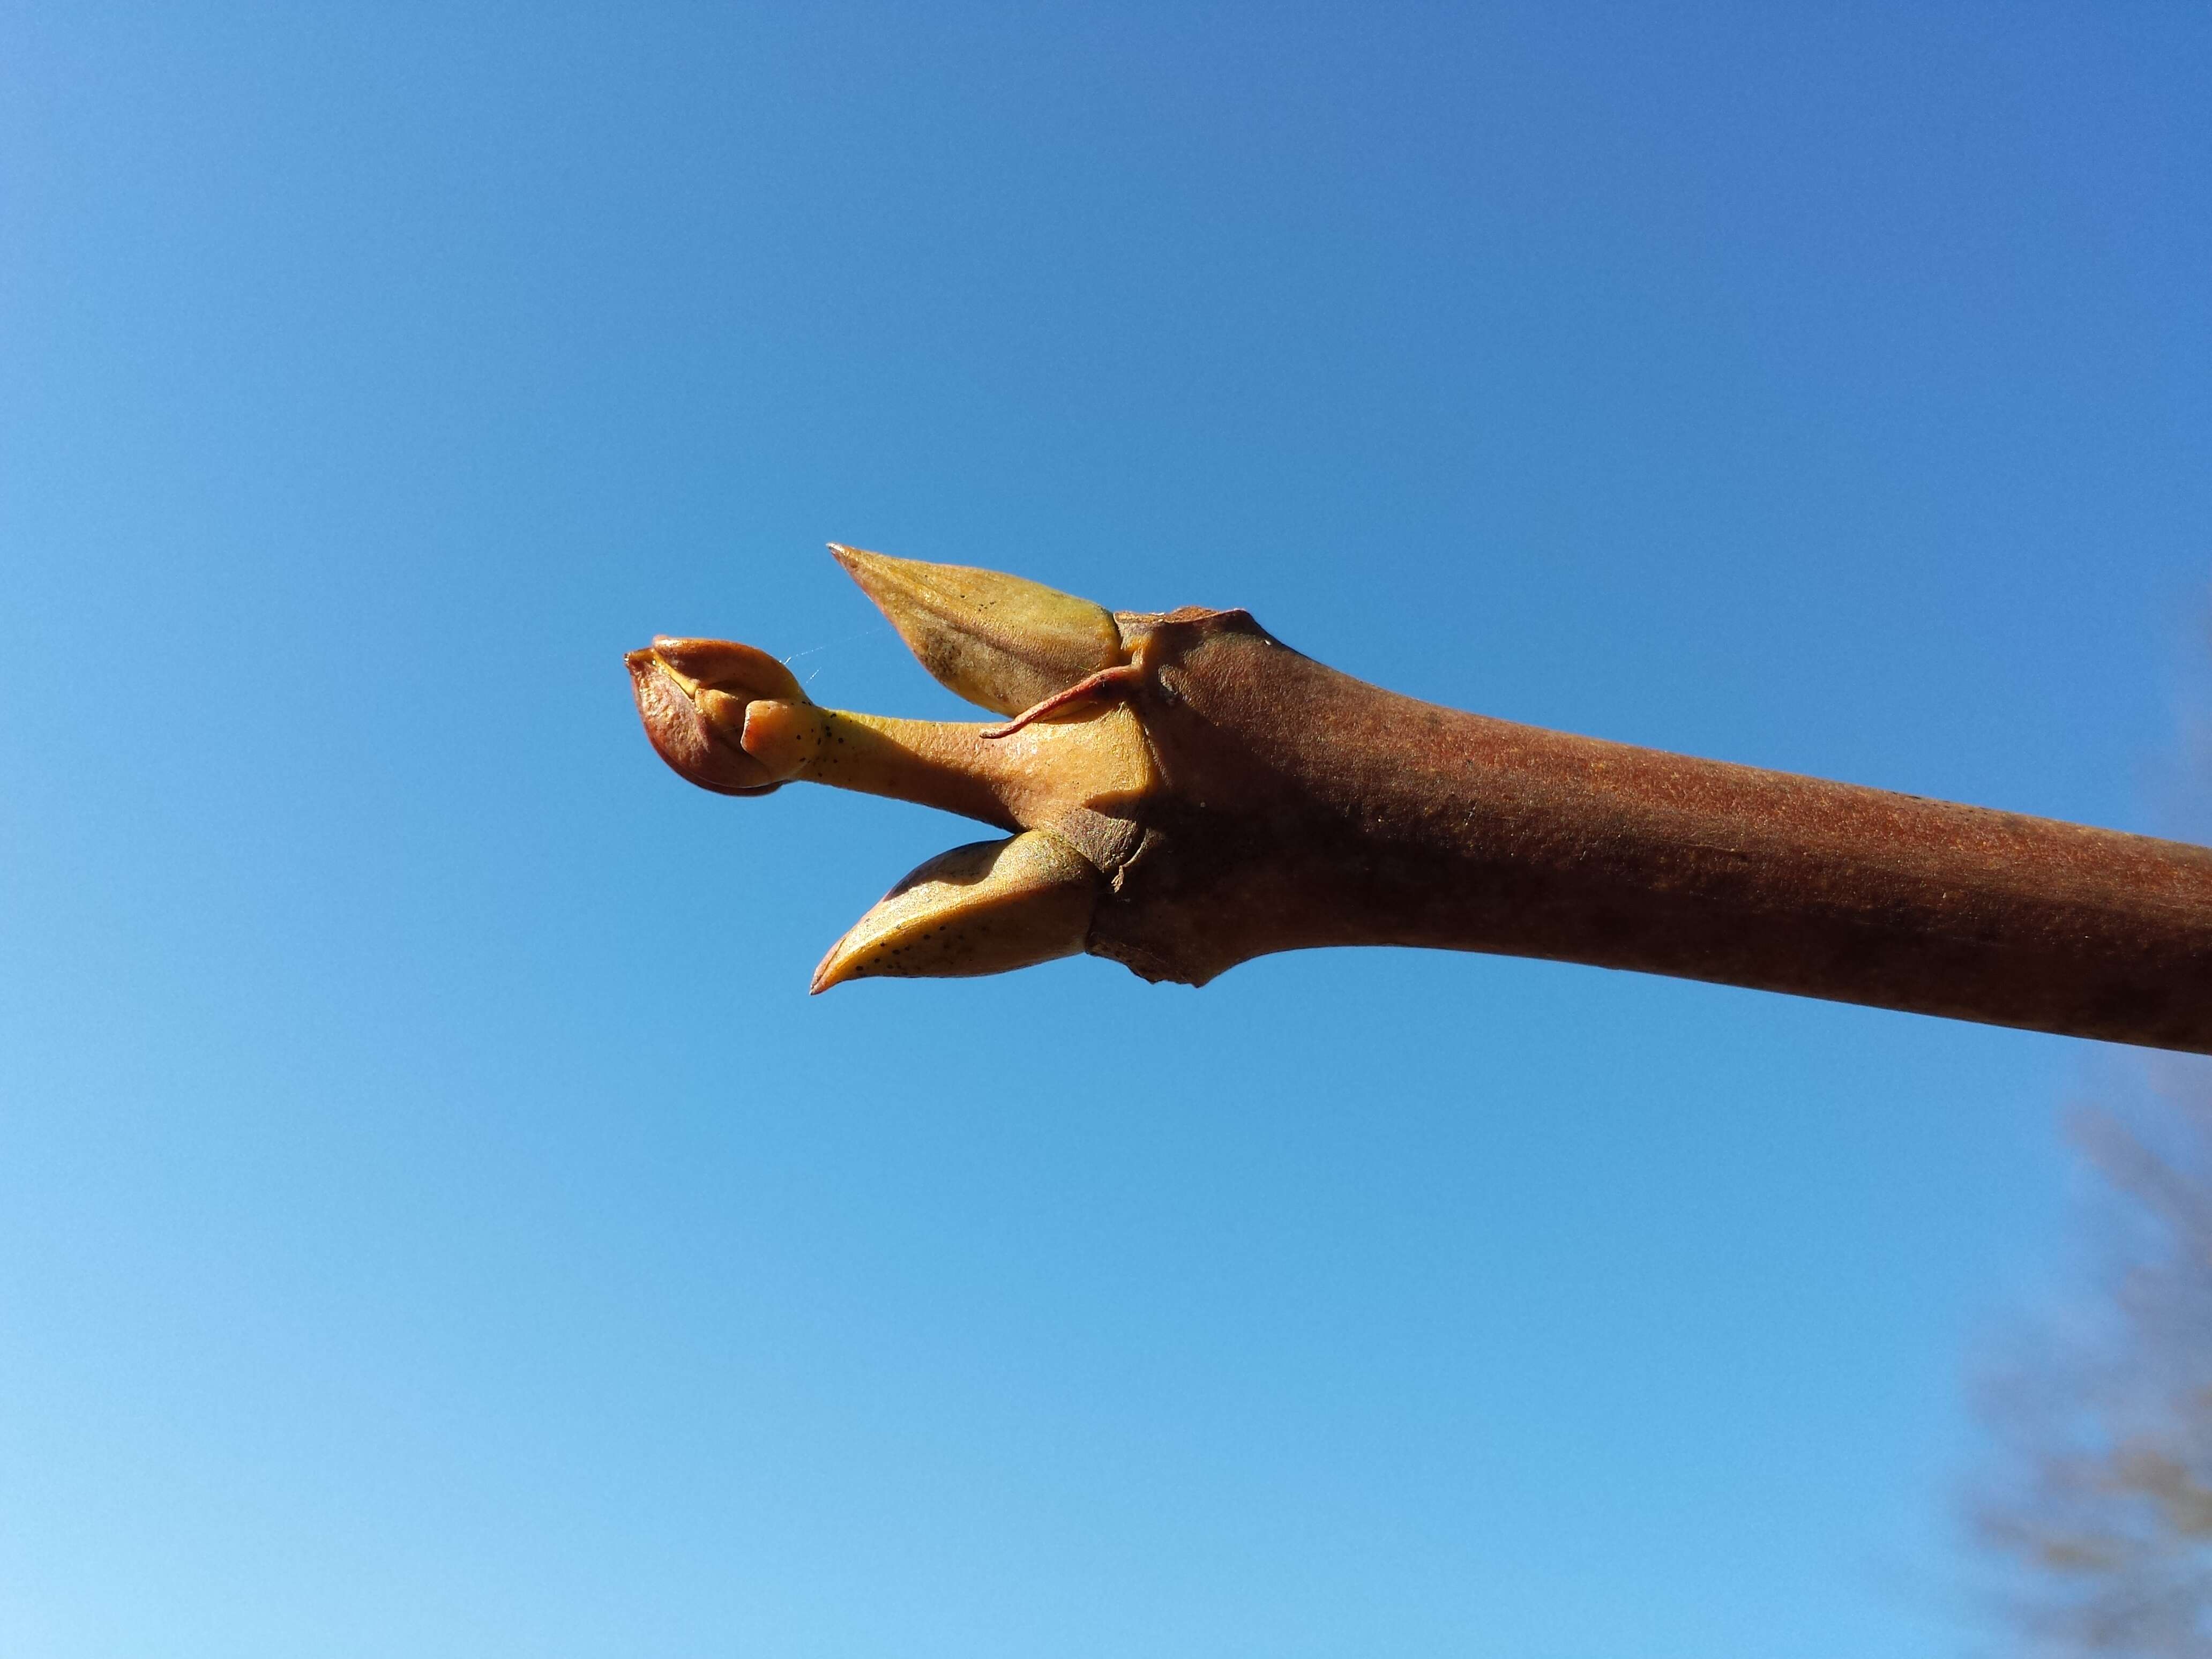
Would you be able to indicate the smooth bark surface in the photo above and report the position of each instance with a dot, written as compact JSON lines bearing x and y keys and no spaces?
{"x":1303,"y":807}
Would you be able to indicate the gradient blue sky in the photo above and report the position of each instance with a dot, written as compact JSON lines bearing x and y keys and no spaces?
{"x":434,"y":1219}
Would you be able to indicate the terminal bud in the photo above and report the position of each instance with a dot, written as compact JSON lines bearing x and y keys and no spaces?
{"x":693,"y":695}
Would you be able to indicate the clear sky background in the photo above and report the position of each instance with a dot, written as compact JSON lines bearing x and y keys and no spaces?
{"x":433,"y":1220}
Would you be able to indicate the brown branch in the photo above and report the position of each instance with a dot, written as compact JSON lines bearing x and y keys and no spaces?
{"x":1223,"y":796}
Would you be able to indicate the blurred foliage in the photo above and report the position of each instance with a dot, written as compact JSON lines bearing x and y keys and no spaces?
{"x":2097,"y":1508}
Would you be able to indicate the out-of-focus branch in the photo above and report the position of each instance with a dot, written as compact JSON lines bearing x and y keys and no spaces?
{"x":2098,"y":1505}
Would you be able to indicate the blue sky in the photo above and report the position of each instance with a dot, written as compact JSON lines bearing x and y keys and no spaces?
{"x":433,"y":1218}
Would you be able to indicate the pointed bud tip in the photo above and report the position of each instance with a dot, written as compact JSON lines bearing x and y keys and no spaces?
{"x":987,"y":908}
{"x":1004,"y":642}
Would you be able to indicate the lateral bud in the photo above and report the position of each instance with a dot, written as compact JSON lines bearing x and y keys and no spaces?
{"x":1000,"y":641}
{"x":987,"y":908}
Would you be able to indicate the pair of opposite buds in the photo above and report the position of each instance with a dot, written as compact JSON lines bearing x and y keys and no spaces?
{"x":1184,"y":792}
{"x":734,"y":720}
